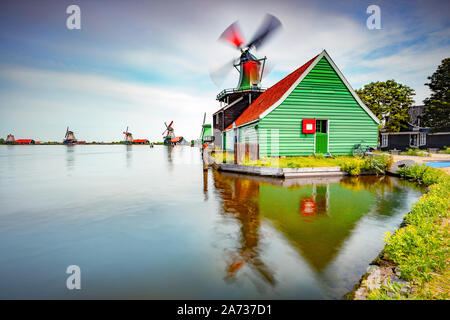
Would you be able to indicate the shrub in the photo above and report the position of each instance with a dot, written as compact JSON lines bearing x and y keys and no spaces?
{"x":423,"y":174}
{"x":352,"y":166}
{"x":377,"y":164}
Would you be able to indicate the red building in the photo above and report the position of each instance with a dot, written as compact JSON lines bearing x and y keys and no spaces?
{"x":24,"y":141}
{"x":140,"y":141}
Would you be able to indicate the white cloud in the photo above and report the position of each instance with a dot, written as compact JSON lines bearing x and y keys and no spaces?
{"x":92,"y":98}
{"x":168,"y":49}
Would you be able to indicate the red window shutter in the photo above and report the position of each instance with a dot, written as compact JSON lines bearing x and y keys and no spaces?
{"x":309,"y":125}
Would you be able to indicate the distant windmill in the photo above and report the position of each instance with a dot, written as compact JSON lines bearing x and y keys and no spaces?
{"x":69,"y":138}
{"x":170,"y":138}
{"x":206,"y":133}
{"x":10,"y":138}
{"x":128,"y":137}
{"x":170,"y":133}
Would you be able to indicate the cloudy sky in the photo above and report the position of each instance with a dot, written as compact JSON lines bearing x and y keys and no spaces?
{"x":140,"y":63}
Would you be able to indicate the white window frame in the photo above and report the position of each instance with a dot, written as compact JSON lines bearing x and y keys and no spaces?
{"x":411,"y":140}
{"x":422,"y":139}
{"x":384,"y":140}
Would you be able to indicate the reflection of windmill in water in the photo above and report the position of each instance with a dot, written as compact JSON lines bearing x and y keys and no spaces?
{"x":240,"y":199}
{"x":69,"y":138}
{"x":70,"y":158}
{"x":129,"y":154}
{"x":128,"y":139}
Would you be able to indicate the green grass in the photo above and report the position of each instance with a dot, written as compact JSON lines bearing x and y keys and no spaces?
{"x":354,"y":166}
{"x":421,"y":249}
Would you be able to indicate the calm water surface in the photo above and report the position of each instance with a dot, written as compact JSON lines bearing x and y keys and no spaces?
{"x":148,"y":223}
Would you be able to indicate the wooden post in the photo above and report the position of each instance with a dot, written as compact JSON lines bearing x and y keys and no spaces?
{"x":205,"y":160}
{"x":247,"y":152}
{"x":235,"y":153}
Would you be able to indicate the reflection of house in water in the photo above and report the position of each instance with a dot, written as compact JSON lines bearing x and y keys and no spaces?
{"x":323,"y":225}
{"x":315,"y":215}
{"x":240,"y":200}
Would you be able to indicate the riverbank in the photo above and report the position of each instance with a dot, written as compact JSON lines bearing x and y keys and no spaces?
{"x":414,"y":263}
{"x":302,"y":166}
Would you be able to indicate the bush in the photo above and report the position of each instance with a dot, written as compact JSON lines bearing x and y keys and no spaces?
{"x":378,"y":164}
{"x":352,"y":166}
{"x":423,"y":174}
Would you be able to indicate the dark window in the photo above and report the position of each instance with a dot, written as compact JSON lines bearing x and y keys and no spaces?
{"x":321,"y":126}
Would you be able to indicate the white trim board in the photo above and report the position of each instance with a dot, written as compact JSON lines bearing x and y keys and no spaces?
{"x":306,"y":72}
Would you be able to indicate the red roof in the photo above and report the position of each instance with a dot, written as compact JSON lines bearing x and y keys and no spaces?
{"x":270,"y":96}
{"x":24,"y":141}
{"x":140,"y":140}
{"x":176,"y":139}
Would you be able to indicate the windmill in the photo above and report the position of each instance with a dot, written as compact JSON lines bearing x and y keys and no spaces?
{"x":10,"y":139}
{"x":170,"y":138}
{"x":69,"y":138}
{"x":250,"y":68}
{"x":128,"y":137}
{"x":206,"y":133}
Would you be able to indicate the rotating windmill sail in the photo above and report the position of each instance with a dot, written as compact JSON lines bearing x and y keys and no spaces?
{"x":250,"y":68}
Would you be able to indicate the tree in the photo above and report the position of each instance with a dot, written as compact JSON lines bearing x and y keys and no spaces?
{"x":437,"y":109}
{"x":389,"y":100}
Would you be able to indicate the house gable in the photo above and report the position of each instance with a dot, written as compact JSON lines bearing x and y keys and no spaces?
{"x":320,"y":93}
{"x":320,"y":58}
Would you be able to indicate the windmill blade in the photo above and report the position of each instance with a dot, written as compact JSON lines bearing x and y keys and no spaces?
{"x":67,"y":132}
{"x":233,"y":35}
{"x":265,"y":31}
{"x":170,"y":125}
{"x":219,"y":75}
{"x":268,"y":67}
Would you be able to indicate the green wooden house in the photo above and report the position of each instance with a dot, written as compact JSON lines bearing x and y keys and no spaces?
{"x":312,"y":110}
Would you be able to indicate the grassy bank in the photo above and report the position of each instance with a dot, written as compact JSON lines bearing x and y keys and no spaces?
{"x":349,"y":164}
{"x":421,"y":248}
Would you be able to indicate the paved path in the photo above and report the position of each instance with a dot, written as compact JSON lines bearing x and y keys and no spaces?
{"x":434,"y":157}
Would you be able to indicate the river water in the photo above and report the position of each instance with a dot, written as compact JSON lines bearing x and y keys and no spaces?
{"x":148,"y":223}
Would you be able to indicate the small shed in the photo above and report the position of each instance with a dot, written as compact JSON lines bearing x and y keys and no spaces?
{"x":24,"y":141}
{"x":312,"y":110}
{"x":140,"y":141}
